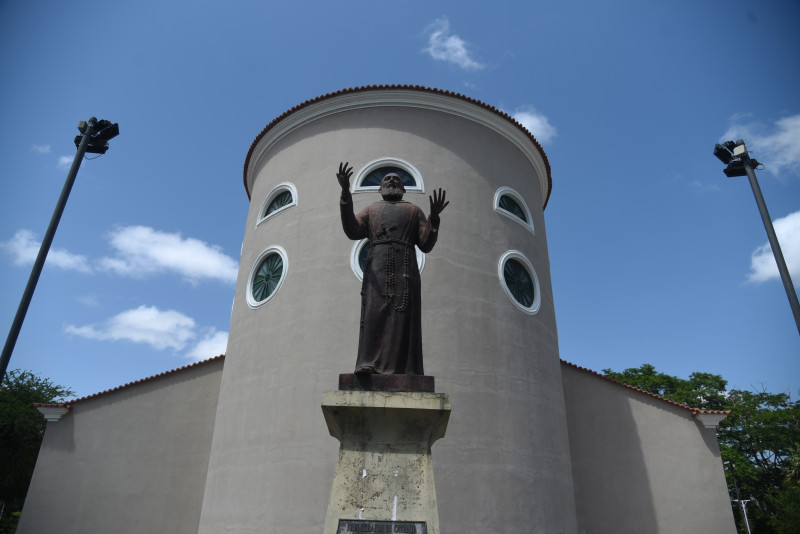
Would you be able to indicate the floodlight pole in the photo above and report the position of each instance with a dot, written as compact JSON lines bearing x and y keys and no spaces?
{"x":16,"y":326}
{"x":773,"y":240}
{"x":743,"y":504}
{"x":738,"y":499}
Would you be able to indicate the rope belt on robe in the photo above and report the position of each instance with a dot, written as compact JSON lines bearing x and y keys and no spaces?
{"x":390,"y":285}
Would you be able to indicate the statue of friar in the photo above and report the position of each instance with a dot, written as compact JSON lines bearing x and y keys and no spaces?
{"x":390,"y":339}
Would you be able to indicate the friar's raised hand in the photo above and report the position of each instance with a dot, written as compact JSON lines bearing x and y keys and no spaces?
{"x":437,"y":205}
{"x":344,"y":175}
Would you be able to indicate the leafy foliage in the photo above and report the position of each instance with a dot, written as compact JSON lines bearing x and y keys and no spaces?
{"x":759,"y":442}
{"x":21,"y":431}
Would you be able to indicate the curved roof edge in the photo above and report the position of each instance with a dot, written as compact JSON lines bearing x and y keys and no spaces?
{"x":694,"y":411}
{"x":68,"y":404}
{"x":393,"y":87}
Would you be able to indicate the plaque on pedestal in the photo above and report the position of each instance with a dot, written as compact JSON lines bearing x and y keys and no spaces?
{"x":384,"y":475}
{"x":377,"y":527}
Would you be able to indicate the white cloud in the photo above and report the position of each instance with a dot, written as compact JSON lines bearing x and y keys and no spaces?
{"x":444,"y":46}
{"x":41,"y":149}
{"x":145,"y":324}
{"x":213,"y":344}
{"x":777,"y":146}
{"x":24,"y":247}
{"x":142,"y":250}
{"x":65,"y":162}
{"x":762,"y":262}
{"x":700,"y":186}
{"x":536,"y":123}
{"x":90,"y":301}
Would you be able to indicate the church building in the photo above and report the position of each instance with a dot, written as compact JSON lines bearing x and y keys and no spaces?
{"x":238,"y":443}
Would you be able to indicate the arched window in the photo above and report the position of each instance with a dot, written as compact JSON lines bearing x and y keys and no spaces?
{"x":266,"y":276}
{"x":282,"y":197}
{"x":519,"y":281}
{"x":360,"y":251}
{"x":369,"y":177}
{"x":510,"y":203}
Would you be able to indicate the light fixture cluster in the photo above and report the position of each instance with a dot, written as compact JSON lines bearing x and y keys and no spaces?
{"x":735,"y":156}
{"x":99,"y":133}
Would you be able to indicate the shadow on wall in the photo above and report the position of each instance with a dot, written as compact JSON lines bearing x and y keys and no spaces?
{"x":60,"y":435}
{"x":612,"y":488}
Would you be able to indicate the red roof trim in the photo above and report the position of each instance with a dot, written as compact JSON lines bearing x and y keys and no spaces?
{"x":421,"y":88}
{"x":69,"y":404}
{"x":694,"y":411}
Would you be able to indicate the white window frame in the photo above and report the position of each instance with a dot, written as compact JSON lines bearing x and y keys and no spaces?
{"x":537,"y":299}
{"x":277,"y":190}
{"x":356,"y":186}
{"x":518,"y":199}
{"x":356,"y":250}
{"x":251,"y":301}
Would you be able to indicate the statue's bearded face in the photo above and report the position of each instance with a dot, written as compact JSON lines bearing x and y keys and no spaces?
{"x":392,"y":187}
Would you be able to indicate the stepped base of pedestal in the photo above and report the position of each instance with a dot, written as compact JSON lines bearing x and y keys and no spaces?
{"x":366,"y":382}
{"x":384,"y":472}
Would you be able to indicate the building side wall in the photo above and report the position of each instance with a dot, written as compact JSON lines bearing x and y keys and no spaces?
{"x":272,"y":460}
{"x":640,"y":464}
{"x":130,"y":461}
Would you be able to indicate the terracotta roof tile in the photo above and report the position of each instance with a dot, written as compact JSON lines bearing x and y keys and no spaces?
{"x":694,"y":411}
{"x":406,"y":87}
{"x":69,"y":404}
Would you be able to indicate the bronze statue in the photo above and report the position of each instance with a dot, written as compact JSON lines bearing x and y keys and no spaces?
{"x":390,"y":338}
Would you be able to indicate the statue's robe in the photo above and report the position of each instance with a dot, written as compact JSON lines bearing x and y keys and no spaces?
{"x":390,"y":338}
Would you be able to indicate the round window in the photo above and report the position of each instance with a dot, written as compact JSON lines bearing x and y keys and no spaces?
{"x":519,"y":281}
{"x":267,"y":276}
{"x":282,"y":197}
{"x":374,"y":178}
{"x":360,"y":253}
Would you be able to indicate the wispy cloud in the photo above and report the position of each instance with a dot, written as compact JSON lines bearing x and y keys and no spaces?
{"x":700,"y":186}
{"x":145,"y":324}
{"x":160,"y":329}
{"x":213,"y":344}
{"x":536,"y":123}
{"x":24,"y":247}
{"x":762,"y":261}
{"x":444,"y":46}
{"x":776,"y":145}
{"x":41,"y":149}
{"x":90,"y":301}
{"x":65,"y":162}
{"x":142,"y":251}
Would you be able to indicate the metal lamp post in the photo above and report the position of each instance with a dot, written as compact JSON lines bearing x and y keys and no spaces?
{"x":93,"y":139}
{"x":739,"y":163}
{"x":742,"y":503}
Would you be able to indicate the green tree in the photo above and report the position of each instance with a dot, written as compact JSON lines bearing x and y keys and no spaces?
{"x":701,"y":390}
{"x":21,"y":431}
{"x":758,"y":440}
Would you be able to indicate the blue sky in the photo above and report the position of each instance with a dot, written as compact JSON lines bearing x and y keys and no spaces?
{"x":656,"y":256}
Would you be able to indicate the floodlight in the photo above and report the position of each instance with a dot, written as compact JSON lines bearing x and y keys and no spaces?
{"x":82,"y":126}
{"x":97,"y":149}
{"x":740,"y":149}
{"x":722,"y":153}
{"x":735,"y":168}
{"x":106,"y":131}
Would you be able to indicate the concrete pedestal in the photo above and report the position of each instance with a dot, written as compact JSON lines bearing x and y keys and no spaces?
{"x":384,"y":472}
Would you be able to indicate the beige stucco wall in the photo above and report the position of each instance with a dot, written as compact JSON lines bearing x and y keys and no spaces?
{"x":640,"y":464}
{"x":503,"y":465}
{"x":132,"y":460}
